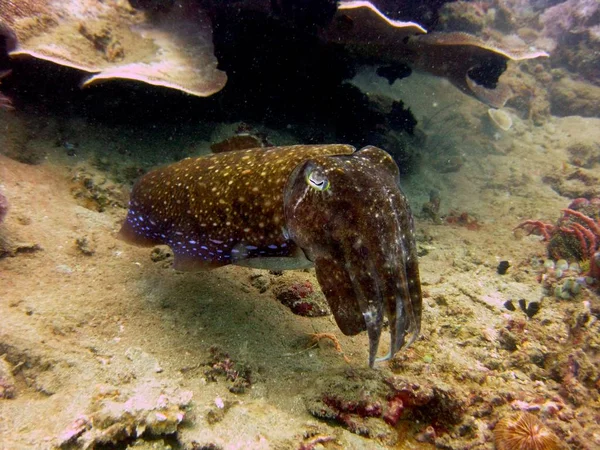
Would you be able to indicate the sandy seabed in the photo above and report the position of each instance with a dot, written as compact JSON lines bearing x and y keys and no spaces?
{"x":104,"y":347}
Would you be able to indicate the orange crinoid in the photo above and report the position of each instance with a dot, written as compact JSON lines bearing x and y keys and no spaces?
{"x":524,"y":432}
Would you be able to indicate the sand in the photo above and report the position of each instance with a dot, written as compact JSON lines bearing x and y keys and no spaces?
{"x":106,"y":345}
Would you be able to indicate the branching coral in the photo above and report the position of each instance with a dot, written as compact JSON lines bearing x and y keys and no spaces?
{"x":575,"y":236}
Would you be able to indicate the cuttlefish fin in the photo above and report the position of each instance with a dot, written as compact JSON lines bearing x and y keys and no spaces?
{"x":190,"y":263}
{"x":128,"y":234}
{"x":379,"y":158}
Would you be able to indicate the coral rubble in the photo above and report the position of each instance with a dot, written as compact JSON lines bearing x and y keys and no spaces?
{"x":117,"y":415}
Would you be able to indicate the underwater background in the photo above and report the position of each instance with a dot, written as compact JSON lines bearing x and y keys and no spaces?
{"x":490,"y":110}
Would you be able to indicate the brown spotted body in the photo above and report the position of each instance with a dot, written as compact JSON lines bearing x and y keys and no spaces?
{"x":290,"y":207}
{"x":220,"y":209}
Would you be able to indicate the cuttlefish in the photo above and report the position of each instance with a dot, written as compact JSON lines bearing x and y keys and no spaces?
{"x":293,"y":207}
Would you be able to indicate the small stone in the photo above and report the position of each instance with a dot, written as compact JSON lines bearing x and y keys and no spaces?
{"x":63,"y":268}
{"x":509,"y":305}
{"x":85,"y":246}
{"x":558,"y":273}
{"x":502,"y":267}
{"x":160,"y":254}
{"x":558,"y":291}
{"x":260,"y":281}
{"x":532,"y":309}
{"x":508,"y":340}
{"x":567,"y":285}
{"x":562,"y":264}
{"x":565,"y":295}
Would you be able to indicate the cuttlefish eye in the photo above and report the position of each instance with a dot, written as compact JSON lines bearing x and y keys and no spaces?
{"x":317,"y":180}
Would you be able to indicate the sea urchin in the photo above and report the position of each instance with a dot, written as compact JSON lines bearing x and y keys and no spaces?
{"x":524,"y":432}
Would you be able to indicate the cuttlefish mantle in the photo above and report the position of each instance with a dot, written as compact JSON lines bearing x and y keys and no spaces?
{"x":291,"y":207}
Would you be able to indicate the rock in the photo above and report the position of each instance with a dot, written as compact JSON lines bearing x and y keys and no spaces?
{"x":260,"y":281}
{"x":85,"y":245}
{"x":9,"y":247}
{"x":7,"y":380}
{"x":584,"y":154}
{"x":3,"y":207}
{"x":117,"y":415}
{"x":302,"y":299}
{"x":574,"y":98}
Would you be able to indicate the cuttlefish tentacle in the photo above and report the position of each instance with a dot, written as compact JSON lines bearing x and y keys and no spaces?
{"x":286,"y":207}
{"x":372,"y":309}
{"x":405,"y":314}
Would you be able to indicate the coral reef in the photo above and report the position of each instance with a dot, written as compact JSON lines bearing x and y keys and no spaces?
{"x":575,"y":236}
{"x":568,"y":18}
{"x":574,"y":26}
{"x":530,"y":97}
{"x":462,"y":16}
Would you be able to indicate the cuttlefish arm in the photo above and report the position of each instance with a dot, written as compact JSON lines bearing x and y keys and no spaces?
{"x":290,"y":207}
{"x":349,"y":215}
